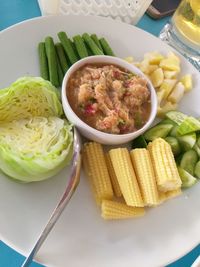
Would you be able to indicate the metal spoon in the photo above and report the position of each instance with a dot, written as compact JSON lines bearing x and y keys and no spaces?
{"x":70,"y":188}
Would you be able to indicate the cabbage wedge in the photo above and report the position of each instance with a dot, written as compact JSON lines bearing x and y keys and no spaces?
{"x":29,"y":97}
{"x":35,"y":143}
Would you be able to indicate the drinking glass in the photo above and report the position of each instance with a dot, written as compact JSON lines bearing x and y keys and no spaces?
{"x":183,"y":31}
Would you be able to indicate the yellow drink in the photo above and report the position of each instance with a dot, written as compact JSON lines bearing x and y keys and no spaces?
{"x":186,"y":20}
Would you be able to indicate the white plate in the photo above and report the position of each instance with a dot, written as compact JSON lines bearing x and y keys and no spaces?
{"x":81,"y":238}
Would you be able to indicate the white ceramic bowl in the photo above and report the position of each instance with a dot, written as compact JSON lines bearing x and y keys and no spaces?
{"x":86,"y":130}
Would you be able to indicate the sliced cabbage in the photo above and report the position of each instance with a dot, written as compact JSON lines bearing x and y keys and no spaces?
{"x":35,"y":149}
{"x":35,"y":143}
{"x":29,"y":97}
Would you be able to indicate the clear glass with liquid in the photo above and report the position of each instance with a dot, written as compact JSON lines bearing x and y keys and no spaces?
{"x":183,"y":31}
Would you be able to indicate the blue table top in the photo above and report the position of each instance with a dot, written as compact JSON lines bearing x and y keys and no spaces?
{"x":14,"y":11}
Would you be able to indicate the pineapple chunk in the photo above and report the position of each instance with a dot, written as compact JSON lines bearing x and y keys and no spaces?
{"x":160,"y":96}
{"x":177,"y":93}
{"x":157,"y":77}
{"x":153,"y":57}
{"x":168,"y":106}
{"x":137,"y":64}
{"x":170,"y":74}
{"x":187,"y":82}
{"x":144,"y":66}
{"x":147,"y":68}
{"x":129,"y":59}
{"x":163,"y":72}
{"x":167,"y":86}
{"x":174,"y":57}
{"x":152,"y":68}
{"x":170,"y":64}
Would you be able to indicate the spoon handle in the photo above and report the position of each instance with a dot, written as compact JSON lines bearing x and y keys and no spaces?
{"x":71,"y":186}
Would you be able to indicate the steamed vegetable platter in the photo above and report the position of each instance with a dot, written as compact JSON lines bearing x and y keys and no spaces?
{"x":36,"y":140}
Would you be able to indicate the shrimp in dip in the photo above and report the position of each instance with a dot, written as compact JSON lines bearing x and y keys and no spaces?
{"x":109,"y":98}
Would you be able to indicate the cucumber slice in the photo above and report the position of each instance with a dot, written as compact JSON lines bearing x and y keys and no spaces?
{"x":160,"y":130}
{"x":174,"y":143}
{"x":139,"y":142}
{"x":189,"y":161}
{"x":198,"y":141}
{"x":189,"y":125}
{"x":167,"y":121}
{"x":187,"y":179}
{"x":197,"y":149}
{"x":197,"y":170}
{"x":178,"y":159}
{"x":174,"y":131}
{"x":176,"y":116}
{"x":187,"y":141}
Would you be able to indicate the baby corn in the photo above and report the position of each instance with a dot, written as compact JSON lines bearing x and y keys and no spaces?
{"x":173,"y":193}
{"x":115,"y":210}
{"x":145,"y":176}
{"x":126,"y":177}
{"x":163,"y":196}
{"x":167,"y":175}
{"x":95,"y":166}
{"x":113,"y":177}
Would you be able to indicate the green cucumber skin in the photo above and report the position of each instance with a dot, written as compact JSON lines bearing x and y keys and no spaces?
{"x":174,"y":131}
{"x":160,"y":130}
{"x":189,"y":125}
{"x":197,"y":149}
{"x":187,"y":141}
{"x":139,"y":142}
{"x":197,"y":170}
{"x":176,"y":116}
{"x":178,"y":159}
{"x":174,"y":143}
{"x":167,"y":121}
{"x":198,"y":142}
{"x":189,"y":161}
{"x":187,"y":179}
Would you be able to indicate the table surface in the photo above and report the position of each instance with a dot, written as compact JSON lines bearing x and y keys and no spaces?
{"x":14,"y":11}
